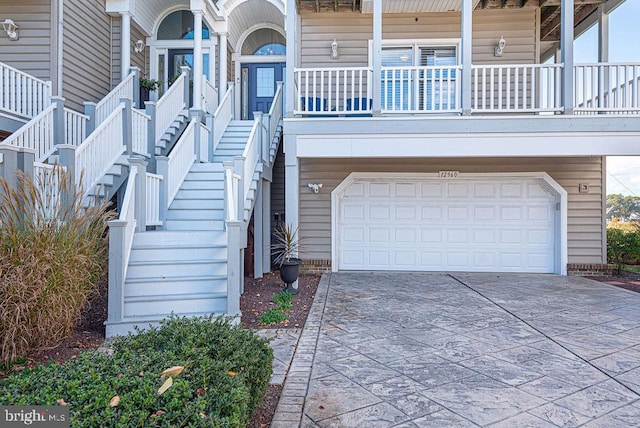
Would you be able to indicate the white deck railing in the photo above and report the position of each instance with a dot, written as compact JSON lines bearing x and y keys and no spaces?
{"x":516,"y":88}
{"x":170,"y":105}
{"x":275,"y":115}
{"x":204,"y":143}
{"x":37,"y":135}
{"x":153,"y":199}
{"x":21,"y":93}
{"x":47,"y":179}
{"x":209,"y":95}
{"x":607,"y":87}
{"x":100,"y":150}
{"x":222,"y":116}
{"x":140,"y":132}
{"x":336,"y":90}
{"x":109,"y":103}
{"x":231,"y":185}
{"x":179,"y":161}
{"x":251,"y":156}
{"x":76,"y":126}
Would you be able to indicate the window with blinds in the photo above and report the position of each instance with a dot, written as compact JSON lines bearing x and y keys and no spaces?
{"x":418,"y":78}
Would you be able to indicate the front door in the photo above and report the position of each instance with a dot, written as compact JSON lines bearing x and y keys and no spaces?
{"x":181,"y":57}
{"x":259,"y":82}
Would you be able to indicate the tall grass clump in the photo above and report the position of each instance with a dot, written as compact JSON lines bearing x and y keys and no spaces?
{"x":53,"y":251}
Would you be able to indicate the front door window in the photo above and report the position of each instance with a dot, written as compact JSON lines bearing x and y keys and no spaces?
{"x":259,"y":83}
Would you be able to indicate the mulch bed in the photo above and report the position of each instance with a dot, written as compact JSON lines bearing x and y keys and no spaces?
{"x":626,"y":280}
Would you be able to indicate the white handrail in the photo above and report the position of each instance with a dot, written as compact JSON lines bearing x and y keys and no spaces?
{"x":275,"y":115}
{"x":180,"y":160}
{"x":421,"y":89}
{"x":607,"y":88}
{"x":153,"y":199}
{"x":128,"y":215}
{"x":100,"y":150}
{"x":76,"y":126}
{"x":500,"y":88}
{"x":109,"y":103}
{"x":204,"y":143}
{"x":251,"y":156}
{"x":47,"y":179}
{"x":222,"y":116}
{"x":170,"y":105}
{"x":209,"y":95}
{"x":21,"y":93}
{"x":139,"y":122}
{"x":330,"y":91}
{"x":37,"y":134}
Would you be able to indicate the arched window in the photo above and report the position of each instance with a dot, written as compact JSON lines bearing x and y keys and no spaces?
{"x":179,"y":26}
{"x":264,"y":41}
{"x":272,"y":49}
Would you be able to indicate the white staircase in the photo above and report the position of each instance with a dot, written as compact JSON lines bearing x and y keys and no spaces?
{"x":233,"y":140}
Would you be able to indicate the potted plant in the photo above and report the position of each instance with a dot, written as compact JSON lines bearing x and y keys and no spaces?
{"x":284,"y":249}
{"x":147,"y":86}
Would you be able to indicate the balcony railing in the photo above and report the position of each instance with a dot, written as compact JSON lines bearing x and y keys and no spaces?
{"x":495,"y":89}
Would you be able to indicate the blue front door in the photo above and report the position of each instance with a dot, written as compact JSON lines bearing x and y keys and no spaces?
{"x":259,"y":82}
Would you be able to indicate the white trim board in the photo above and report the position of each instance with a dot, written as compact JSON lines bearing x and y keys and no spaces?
{"x":561,"y":238}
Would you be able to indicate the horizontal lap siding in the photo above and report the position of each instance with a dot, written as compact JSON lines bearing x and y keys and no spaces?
{"x":87,"y":47}
{"x":352,"y":31}
{"x":137,"y":59}
{"x":31,"y":53}
{"x":584,"y":215}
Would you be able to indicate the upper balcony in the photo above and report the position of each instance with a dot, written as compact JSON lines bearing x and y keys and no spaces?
{"x":496,"y":89}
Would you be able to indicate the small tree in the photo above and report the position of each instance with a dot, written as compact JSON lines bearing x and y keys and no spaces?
{"x":622,"y":246}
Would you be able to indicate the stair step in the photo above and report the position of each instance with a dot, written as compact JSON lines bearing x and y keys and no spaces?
{"x":177,"y":253}
{"x":190,"y":183}
{"x":172,"y":237}
{"x":200,"y":194}
{"x":158,"y":270}
{"x":194,"y":225}
{"x":182,"y":303}
{"x":197,"y":215}
{"x":197,"y":204}
{"x":176,"y":296}
{"x":216,"y":284}
{"x":179,"y":282}
{"x":206,"y":167}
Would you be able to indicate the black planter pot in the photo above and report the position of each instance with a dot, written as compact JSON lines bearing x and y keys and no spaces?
{"x":289,"y":271}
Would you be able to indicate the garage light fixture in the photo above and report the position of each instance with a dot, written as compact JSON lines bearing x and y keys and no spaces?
{"x":315,"y":187}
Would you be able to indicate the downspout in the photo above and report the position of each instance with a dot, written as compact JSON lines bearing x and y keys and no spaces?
{"x":59,"y":68}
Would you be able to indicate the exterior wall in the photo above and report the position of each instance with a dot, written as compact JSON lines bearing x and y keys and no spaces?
{"x":352,"y":31}
{"x":87,"y":48}
{"x":278,"y":189}
{"x":139,"y":60}
{"x":32,"y":53}
{"x":585,"y":213}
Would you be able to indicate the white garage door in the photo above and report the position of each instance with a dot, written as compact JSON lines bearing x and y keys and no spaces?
{"x":487,"y":224}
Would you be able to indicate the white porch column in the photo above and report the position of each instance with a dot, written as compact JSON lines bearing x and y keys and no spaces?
{"x":377,"y":57}
{"x":266,"y":226}
{"x":125,"y":44}
{"x":258,"y":222}
{"x":467,"y":43}
{"x":197,"y":59}
{"x":603,"y":34}
{"x":222,"y":87}
{"x":291,"y":184}
{"x":566,"y":46}
{"x":291,"y":28}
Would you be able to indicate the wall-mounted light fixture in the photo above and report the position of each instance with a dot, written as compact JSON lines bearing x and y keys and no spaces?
{"x":11,"y":29}
{"x":315,"y":187}
{"x":334,"y":50}
{"x":500,"y":48}
{"x":139,"y":46}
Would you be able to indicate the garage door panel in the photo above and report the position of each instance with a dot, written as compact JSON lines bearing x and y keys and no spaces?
{"x":432,"y":190}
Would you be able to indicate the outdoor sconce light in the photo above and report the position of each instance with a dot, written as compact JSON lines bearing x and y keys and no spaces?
{"x":334,"y":49}
{"x":500,"y":48}
{"x":11,"y":29}
{"x":139,"y":46}
{"x":315,"y":187}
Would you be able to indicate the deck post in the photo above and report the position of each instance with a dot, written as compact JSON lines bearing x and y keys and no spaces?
{"x":208,"y":117}
{"x":12,"y":159}
{"x":257,"y":231}
{"x":136,"y":86}
{"x":467,"y":48}
{"x":266,"y":226}
{"x":59,"y":123}
{"x":603,"y":53}
{"x":162,"y":168}
{"x":566,"y":46}
{"x":259,"y":116}
{"x":223,"y":65}
{"x":150,"y":109}
{"x":125,"y":44}
{"x":377,"y":58}
{"x":239,"y":170}
{"x":140,"y":204}
{"x":90,"y":111}
{"x":197,"y":59}
{"x":234,"y":268}
{"x":117,"y":251}
{"x":292,"y":184}
{"x":185,"y":70}
{"x":127,"y":128}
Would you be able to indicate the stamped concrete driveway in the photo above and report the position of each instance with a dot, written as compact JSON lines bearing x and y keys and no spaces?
{"x":421,"y":349}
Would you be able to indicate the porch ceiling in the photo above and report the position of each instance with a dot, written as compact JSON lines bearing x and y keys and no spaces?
{"x":251,"y":14}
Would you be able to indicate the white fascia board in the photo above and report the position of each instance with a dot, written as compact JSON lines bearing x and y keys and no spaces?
{"x":467,"y":145}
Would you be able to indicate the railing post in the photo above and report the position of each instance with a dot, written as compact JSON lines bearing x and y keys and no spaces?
{"x":566,"y":45}
{"x":117,"y":251}
{"x":140,"y":202}
{"x":234,"y":268}
{"x":136,"y":86}
{"x":185,"y":70}
{"x":195,"y":116}
{"x":127,"y":128}
{"x":59,"y":122}
{"x":151,"y":134}
{"x":239,"y":170}
{"x":90,"y":111}
{"x":259,"y":116}
{"x":209,"y":122}
{"x":162,"y":169}
{"x":467,"y":39}
{"x":231,"y":86}
{"x":13,"y":159}
{"x":229,"y":214}
{"x":67,"y":156}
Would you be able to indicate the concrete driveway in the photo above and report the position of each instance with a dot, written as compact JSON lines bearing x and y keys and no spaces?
{"x":504,"y":350}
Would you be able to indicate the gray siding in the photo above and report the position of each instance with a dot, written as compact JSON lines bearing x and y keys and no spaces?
{"x":585,"y":232}
{"x":140,"y":60}
{"x":278,"y":189}
{"x":32,"y":52}
{"x":352,"y":31}
{"x":87,"y":47}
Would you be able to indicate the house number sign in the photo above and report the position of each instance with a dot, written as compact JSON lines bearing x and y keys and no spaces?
{"x":448,"y":174}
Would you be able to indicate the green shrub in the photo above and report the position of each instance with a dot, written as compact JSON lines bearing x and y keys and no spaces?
{"x":622,"y":247}
{"x":52,"y":253}
{"x":226,"y":373}
{"x":283,"y":300}
{"x":273,"y":316}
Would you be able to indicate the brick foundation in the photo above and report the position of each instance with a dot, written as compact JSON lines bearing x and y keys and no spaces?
{"x":590,"y":269}
{"x":315,"y":266}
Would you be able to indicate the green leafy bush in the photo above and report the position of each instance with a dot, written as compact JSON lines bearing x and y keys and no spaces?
{"x":226,"y":373}
{"x":53,"y":251}
{"x":622,"y":247}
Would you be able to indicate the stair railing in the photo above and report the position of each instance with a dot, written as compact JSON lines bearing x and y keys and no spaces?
{"x":140,"y":131}
{"x":75,"y":127}
{"x":275,"y":116}
{"x":47,"y":179}
{"x":104,"y":108}
{"x":37,"y":134}
{"x":223,"y":115}
{"x":21,"y":93}
{"x":209,"y":95}
{"x":174,"y":100}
